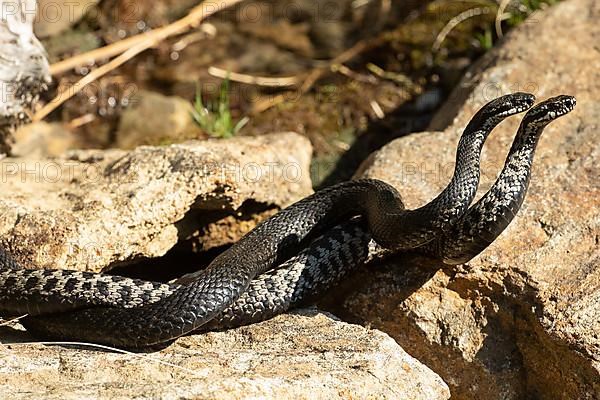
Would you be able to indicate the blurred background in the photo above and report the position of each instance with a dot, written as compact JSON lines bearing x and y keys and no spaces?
{"x":350,"y":75}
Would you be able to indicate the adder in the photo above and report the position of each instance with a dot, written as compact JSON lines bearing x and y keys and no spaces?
{"x":302,"y":250}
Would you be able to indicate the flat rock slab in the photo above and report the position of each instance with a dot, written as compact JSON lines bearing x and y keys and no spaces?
{"x":307,"y":355}
{"x":91,"y":209}
{"x":523,"y":318}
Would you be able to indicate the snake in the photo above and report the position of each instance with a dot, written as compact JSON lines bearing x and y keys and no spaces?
{"x":290,"y":255}
{"x":314,"y":274}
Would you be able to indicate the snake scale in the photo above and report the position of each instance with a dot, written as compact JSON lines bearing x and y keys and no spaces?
{"x":302,"y":250}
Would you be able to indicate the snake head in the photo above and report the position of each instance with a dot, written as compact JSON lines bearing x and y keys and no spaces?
{"x":505,"y":106}
{"x":497,"y":110}
{"x":549,"y":110}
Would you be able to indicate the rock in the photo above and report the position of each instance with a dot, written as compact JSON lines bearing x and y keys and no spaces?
{"x":302,"y":355}
{"x":43,"y":139}
{"x":156,"y":119}
{"x":56,"y":16}
{"x":24,"y":70}
{"x":91,"y":209}
{"x":523,"y":318}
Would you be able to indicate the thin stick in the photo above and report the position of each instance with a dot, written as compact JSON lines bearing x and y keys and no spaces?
{"x":343,"y":70}
{"x":133,"y":48}
{"x":80,"y":121}
{"x":7,"y":323}
{"x":266,"y":81}
{"x":12,"y":320}
{"x":195,"y":16}
{"x":316,"y":74}
{"x":454,"y":22}
{"x":501,"y":16}
{"x":393,"y":76}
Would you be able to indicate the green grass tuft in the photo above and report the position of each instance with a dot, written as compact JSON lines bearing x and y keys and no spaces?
{"x":215,"y":118}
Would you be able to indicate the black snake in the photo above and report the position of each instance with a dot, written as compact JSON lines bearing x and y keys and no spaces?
{"x":241,"y":286}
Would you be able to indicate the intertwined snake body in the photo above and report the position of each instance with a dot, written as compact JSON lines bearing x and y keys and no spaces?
{"x":313,"y":243}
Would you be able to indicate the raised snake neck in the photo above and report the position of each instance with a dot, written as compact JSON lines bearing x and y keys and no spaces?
{"x":212,"y":292}
{"x":477,"y":229}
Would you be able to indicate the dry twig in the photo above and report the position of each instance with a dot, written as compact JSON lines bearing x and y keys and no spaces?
{"x":128,"y":48}
{"x":265,"y":81}
{"x":194,"y":17}
{"x":315,"y":74}
{"x":454,"y":22}
{"x":501,"y":16}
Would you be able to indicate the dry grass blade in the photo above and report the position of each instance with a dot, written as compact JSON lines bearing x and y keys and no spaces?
{"x":501,"y":16}
{"x":12,"y":321}
{"x":6,"y":347}
{"x":265,"y":81}
{"x":194,"y":17}
{"x":314,"y":75}
{"x":454,"y":22}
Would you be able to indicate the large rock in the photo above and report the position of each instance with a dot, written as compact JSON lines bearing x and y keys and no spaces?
{"x":92,"y":209}
{"x":301,"y":356}
{"x":523,"y":318}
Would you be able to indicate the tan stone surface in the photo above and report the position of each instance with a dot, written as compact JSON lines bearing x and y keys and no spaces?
{"x":298,"y":356}
{"x":90,"y":209}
